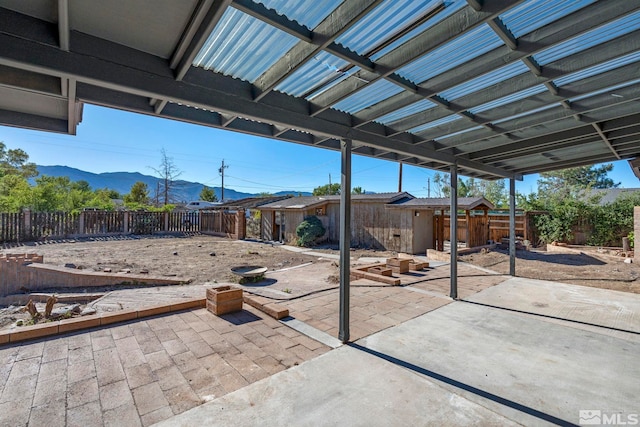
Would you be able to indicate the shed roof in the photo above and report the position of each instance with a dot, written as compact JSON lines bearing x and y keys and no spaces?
{"x":500,"y":88}
{"x":465,"y":203}
{"x":253,"y":202}
{"x":306,"y":202}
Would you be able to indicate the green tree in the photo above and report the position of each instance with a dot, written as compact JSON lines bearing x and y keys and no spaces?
{"x":358,"y":190}
{"x":574,"y":181}
{"x":494,"y":191}
{"x":15,"y":162}
{"x":265,"y":194}
{"x":138,"y":195}
{"x":326,"y":190}
{"x":208,"y":195}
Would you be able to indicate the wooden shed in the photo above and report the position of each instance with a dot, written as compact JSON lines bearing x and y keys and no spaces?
{"x":372,"y":225}
{"x":431,"y":231}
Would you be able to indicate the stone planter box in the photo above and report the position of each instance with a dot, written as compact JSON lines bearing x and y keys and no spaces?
{"x":398,"y":265}
{"x":383,"y":271}
{"x":224,"y":299}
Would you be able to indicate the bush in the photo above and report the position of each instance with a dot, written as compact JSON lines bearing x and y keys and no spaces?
{"x":309,"y":230}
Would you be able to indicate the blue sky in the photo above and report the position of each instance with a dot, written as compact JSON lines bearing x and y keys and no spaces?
{"x":110,"y":140}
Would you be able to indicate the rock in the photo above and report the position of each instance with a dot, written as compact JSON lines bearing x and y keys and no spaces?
{"x":144,"y":271}
{"x":87,"y":311}
{"x":628,"y":260}
{"x":212,"y":254}
{"x":106,"y":270}
{"x":175,"y":253}
{"x":70,"y":265}
{"x":125,"y":270}
{"x":62,"y":311}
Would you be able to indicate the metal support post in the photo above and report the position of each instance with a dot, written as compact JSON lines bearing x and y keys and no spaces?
{"x":512,"y":226}
{"x":453,"y":231}
{"x":345,"y":239}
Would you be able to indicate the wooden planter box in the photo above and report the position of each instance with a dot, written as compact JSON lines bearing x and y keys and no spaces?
{"x":398,"y":265}
{"x":383,"y":271}
{"x":224,"y":299}
{"x":418,"y":266}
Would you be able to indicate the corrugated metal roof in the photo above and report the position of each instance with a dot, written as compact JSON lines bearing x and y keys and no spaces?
{"x":243,"y":47}
{"x":401,"y":113}
{"x":307,"y":13}
{"x":527,"y":113}
{"x":463,"y":49}
{"x":442,"y":121}
{"x":322,"y":69}
{"x":589,"y":39}
{"x":609,"y":89}
{"x":372,"y":94}
{"x":598,"y":69}
{"x":450,"y":7}
{"x":460,"y":132}
{"x":508,"y":99}
{"x":485,"y":80}
{"x":383,"y":22}
{"x":533,"y":14}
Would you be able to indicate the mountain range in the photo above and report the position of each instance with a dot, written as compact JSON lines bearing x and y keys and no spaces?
{"x":122,"y":181}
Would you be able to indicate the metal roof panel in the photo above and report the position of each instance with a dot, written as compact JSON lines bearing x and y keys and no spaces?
{"x":589,"y":39}
{"x":307,"y":13}
{"x":243,"y":47}
{"x":533,"y":14}
{"x":460,"y":50}
{"x":370,"y":95}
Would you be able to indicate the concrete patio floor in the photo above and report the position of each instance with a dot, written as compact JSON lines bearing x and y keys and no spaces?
{"x":460,"y":364}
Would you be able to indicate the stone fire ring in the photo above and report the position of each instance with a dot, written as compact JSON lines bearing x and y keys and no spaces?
{"x":249,"y":271}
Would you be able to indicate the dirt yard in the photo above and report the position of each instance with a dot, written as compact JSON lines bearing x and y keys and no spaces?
{"x":586,"y":269}
{"x":208,"y":260}
{"x":199,"y":258}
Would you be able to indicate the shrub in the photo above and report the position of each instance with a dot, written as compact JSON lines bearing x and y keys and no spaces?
{"x":309,"y":230}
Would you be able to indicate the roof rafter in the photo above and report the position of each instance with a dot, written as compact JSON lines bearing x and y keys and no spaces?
{"x":596,"y":14}
{"x":598,"y":129}
{"x":332,"y":27}
{"x":218,"y":93}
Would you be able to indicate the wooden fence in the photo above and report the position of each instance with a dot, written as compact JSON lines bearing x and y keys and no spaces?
{"x":477,"y":230}
{"x":33,"y":226}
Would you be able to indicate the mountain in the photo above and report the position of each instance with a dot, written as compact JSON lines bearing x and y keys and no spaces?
{"x":122,"y":182}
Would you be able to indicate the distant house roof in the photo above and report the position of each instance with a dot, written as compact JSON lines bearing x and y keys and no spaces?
{"x":465,"y":203}
{"x":253,"y":202}
{"x":307,"y":202}
{"x":610,"y":195}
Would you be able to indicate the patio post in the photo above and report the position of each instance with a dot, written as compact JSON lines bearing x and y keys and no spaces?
{"x":453,"y":230}
{"x":512,"y":226}
{"x":345,"y":238}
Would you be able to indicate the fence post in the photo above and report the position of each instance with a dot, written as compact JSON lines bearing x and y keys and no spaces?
{"x":81,"y":223}
{"x":166,"y":221}
{"x":241,"y":224}
{"x":125,"y":223}
{"x":27,"y":224}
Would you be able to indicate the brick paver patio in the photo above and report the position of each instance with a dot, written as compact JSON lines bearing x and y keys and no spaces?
{"x":375,"y":306}
{"x":144,"y":371}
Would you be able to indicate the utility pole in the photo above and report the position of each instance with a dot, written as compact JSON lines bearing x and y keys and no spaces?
{"x":221,"y":170}
{"x":400,"y":179}
{"x":330,"y":190}
{"x":428,"y":187}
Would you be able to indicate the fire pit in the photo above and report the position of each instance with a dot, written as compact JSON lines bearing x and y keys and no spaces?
{"x":249,"y":272}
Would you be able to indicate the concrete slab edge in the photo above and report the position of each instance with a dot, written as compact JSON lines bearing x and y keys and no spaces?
{"x":78,"y":323}
{"x":311,"y":332}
